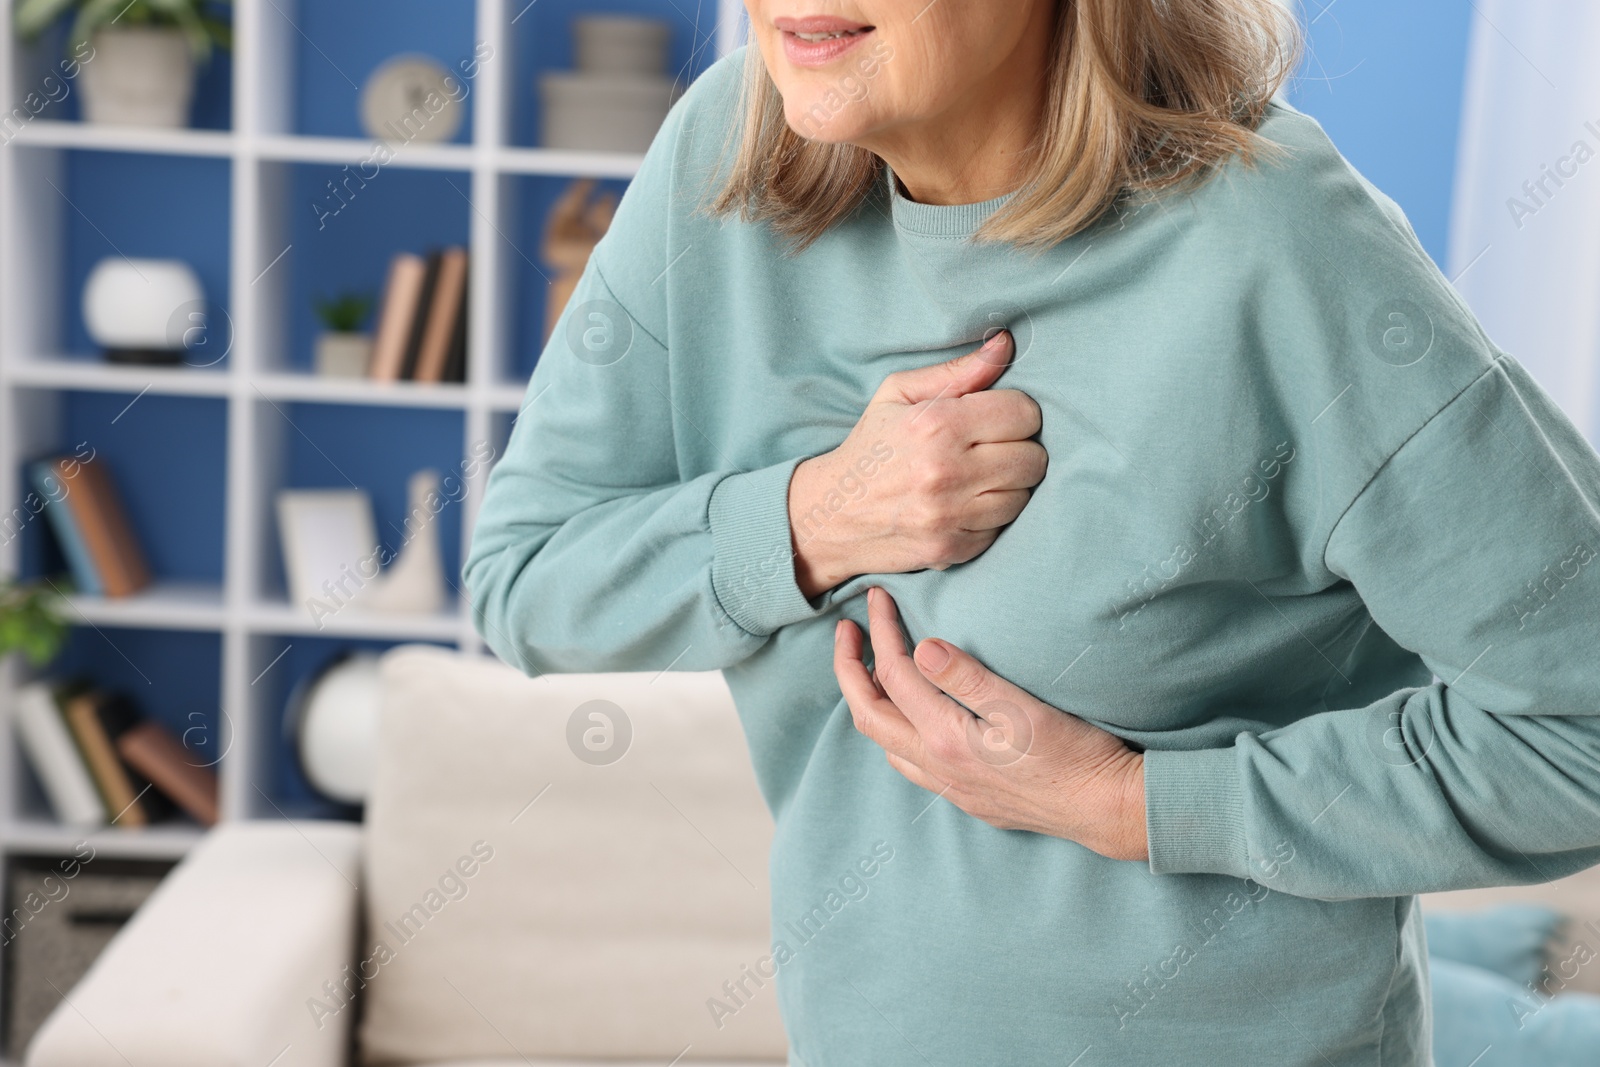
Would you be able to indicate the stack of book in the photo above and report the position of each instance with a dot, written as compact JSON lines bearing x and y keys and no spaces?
{"x":102,"y":764}
{"x":422,"y":322}
{"x":88,"y":519}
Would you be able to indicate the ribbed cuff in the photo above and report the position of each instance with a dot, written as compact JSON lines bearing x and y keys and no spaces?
{"x":1194,"y":813}
{"x":752,"y":566}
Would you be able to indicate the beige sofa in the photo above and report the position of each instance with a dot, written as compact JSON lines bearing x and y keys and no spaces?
{"x":527,"y":897}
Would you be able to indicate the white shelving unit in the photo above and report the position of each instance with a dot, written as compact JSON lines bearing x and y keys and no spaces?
{"x":260,"y":150}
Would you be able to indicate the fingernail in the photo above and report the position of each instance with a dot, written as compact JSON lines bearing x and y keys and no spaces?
{"x":838,"y":631}
{"x":872,"y":597}
{"x":994,"y":342}
{"x":932,"y":656}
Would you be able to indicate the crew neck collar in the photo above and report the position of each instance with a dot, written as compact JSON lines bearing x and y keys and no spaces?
{"x":938,"y":220}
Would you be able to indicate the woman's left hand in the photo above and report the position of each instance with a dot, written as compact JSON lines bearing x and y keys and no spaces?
{"x":1012,"y":761}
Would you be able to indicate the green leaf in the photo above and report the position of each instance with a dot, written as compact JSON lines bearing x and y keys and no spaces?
{"x":33,"y":17}
{"x":220,"y":31}
{"x":193,"y":29}
{"x":344,"y":313}
{"x":96,"y":13}
{"x":202,"y":31}
{"x":30,"y":622}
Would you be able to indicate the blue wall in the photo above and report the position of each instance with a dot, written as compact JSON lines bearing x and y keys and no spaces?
{"x":1385,"y":80}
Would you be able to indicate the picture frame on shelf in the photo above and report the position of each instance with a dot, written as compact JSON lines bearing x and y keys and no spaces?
{"x":326,"y":534}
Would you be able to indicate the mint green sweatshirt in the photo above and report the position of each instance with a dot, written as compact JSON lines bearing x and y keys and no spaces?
{"x":1308,"y":538}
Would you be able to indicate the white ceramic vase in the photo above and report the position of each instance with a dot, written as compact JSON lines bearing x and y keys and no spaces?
{"x":414,"y":583}
{"x":139,"y":76}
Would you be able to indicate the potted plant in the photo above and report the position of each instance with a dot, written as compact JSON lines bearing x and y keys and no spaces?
{"x":342,"y":349}
{"x":139,"y":64}
{"x":30,"y":622}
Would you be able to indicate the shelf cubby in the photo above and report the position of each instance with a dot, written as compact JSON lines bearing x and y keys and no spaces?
{"x":541,"y":39}
{"x":74,"y":207}
{"x":143,"y":206}
{"x":331,"y":446}
{"x":343,"y":230}
{"x":45,"y":68}
{"x":159,"y":470}
{"x":334,"y":48}
{"x":173,"y":677}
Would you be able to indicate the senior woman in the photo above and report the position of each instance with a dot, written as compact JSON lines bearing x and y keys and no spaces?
{"x":1235,"y":591}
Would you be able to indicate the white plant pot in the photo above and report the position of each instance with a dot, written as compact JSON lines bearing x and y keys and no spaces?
{"x":603,"y":112}
{"x":139,"y":76}
{"x":343,"y":355}
{"x":618,"y":44}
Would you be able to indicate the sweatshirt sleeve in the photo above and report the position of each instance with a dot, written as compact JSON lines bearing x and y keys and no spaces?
{"x":594,"y":550}
{"x":1474,"y":546}
{"x":591,"y":552}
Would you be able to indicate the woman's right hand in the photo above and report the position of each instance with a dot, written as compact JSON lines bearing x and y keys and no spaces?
{"x":935,"y":468}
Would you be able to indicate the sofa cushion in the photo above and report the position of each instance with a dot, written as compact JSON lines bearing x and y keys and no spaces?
{"x":565,"y":867}
{"x":1483,"y":1019}
{"x":1512,"y":940}
{"x":1573,"y":961}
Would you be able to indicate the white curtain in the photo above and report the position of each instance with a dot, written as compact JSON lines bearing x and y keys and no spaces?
{"x":733,"y":25}
{"x":1525,"y":230}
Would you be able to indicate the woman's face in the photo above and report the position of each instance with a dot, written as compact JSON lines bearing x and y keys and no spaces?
{"x":858,"y":71}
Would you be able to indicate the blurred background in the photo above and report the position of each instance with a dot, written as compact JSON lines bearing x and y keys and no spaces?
{"x":273,"y":276}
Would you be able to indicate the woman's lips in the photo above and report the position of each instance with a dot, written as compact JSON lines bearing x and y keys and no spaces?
{"x":817,"y":40}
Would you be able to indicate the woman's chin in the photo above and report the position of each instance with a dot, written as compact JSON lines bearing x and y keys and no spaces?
{"x":824,"y":122}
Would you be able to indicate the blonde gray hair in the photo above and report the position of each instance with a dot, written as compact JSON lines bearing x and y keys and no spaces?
{"x":1144,"y":96}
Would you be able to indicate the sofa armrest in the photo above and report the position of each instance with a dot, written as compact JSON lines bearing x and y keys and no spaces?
{"x":226,"y":962}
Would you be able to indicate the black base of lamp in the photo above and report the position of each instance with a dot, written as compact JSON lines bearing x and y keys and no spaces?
{"x":146,"y":357}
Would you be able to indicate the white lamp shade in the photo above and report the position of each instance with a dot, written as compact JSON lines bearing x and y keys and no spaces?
{"x":142,"y":303}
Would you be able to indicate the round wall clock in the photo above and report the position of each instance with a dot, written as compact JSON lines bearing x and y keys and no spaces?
{"x":412,"y":98}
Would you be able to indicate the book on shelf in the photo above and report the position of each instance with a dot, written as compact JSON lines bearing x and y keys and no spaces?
{"x":50,"y":748}
{"x":455,"y":364}
{"x":162,"y":758}
{"x":101,"y":763}
{"x":65,"y":527}
{"x":422,"y":322}
{"x":89,"y":521}
{"x":97,"y":720}
{"x":402,"y":294}
{"x":444,"y":311}
{"x":419,"y":319}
